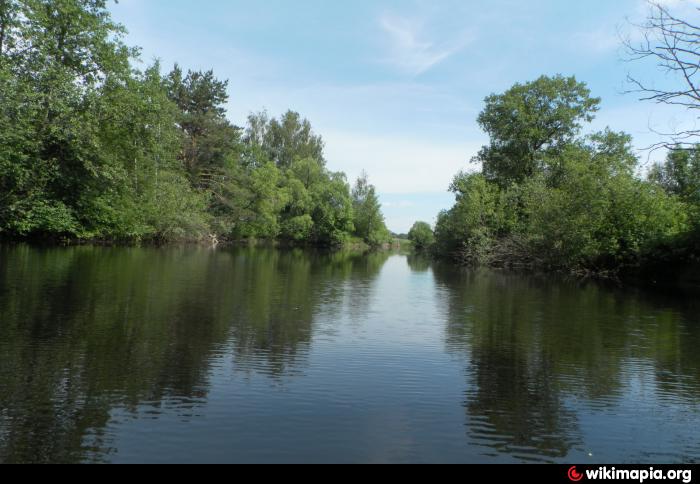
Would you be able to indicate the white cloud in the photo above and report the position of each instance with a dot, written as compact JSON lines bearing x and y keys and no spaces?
{"x":410,"y":49}
{"x":398,"y":165}
{"x":400,"y":204}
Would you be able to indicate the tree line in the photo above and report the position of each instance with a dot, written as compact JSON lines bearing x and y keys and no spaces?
{"x":92,"y":148}
{"x":547,"y":196}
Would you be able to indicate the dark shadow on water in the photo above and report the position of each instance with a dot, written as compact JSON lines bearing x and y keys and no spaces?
{"x":540,"y":350}
{"x":419,"y":262}
{"x":84,"y":330}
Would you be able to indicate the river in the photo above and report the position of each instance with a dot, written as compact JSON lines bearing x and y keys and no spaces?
{"x":259,"y":355}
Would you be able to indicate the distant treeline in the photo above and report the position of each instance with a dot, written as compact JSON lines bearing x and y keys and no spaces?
{"x":550,"y":198}
{"x":93,"y":149}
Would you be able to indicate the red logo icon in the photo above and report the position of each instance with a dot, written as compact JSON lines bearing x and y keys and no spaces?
{"x":574,"y":475}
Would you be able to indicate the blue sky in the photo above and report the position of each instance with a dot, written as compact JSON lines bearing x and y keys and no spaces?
{"x":395,"y":87}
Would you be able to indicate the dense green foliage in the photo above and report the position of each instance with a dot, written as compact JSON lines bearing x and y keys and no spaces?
{"x":91,"y":148}
{"x":530,"y":124}
{"x":548,"y":197}
{"x":368,"y":221}
{"x":680,"y":176}
{"x":421,"y":235}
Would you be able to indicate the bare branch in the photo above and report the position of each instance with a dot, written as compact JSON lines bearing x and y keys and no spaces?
{"x":675,"y":45}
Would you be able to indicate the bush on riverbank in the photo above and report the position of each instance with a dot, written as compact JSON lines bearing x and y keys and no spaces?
{"x":421,"y":236}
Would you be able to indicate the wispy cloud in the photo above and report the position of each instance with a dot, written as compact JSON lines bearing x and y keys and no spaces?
{"x":608,"y":38}
{"x":601,"y":41}
{"x":410,"y":47}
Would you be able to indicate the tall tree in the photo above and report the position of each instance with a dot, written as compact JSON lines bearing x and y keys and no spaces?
{"x":62,"y":54}
{"x":368,"y":218}
{"x":529,"y":121}
{"x":209,"y":138}
{"x":332,"y":212}
{"x":286,"y":139}
{"x":88,"y":146}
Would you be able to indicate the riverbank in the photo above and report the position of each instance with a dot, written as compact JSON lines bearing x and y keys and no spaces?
{"x":353,"y":244}
{"x":680,"y":271}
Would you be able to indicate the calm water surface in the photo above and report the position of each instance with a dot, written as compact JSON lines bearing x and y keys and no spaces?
{"x":243,"y":355}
